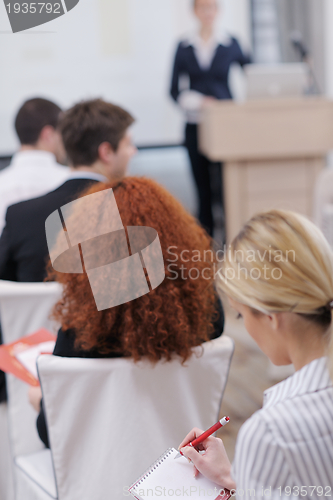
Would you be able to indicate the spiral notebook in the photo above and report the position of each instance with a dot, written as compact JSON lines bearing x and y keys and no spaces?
{"x":170,"y":478}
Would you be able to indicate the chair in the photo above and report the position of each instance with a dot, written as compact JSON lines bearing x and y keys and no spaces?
{"x":24,"y":308}
{"x":109,"y":419}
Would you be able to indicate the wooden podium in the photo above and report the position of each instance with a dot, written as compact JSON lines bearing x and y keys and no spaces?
{"x":272,"y":151}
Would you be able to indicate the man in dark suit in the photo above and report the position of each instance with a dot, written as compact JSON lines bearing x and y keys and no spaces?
{"x":99,"y":146}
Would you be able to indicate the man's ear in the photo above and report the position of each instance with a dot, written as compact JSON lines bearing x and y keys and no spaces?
{"x":47,"y":133}
{"x":106,"y":152}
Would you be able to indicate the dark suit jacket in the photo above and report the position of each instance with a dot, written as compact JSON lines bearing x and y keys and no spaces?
{"x":213,"y":81}
{"x":23,"y":246}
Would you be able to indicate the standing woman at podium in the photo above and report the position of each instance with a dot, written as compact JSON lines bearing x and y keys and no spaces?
{"x":204,"y":59}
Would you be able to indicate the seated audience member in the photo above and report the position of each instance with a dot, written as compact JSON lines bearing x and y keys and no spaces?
{"x":34,"y":170}
{"x":285,"y":296}
{"x":181,"y":313}
{"x":99,"y":146}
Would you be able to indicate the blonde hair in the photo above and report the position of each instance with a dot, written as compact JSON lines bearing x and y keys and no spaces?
{"x":279,"y":262}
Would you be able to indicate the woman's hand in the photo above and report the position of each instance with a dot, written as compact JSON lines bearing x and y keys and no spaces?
{"x":213,"y":463}
{"x":35,"y":397}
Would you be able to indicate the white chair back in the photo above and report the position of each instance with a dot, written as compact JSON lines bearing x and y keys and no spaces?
{"x":109,"y":419}
{"x":24,"y":308}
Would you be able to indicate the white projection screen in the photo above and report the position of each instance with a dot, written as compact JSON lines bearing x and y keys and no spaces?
{"x":120,"y":50}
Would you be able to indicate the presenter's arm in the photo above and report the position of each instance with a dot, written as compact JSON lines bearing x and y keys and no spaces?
{"x":241,"y":57}
{"x":189,"y":100}
{"x":176,"y":72}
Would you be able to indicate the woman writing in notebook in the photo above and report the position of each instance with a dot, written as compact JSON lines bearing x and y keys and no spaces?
{"x":278,"y":276}
{"x":204,"y":58}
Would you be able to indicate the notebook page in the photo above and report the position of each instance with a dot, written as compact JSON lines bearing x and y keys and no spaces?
{"x":169,"y":478}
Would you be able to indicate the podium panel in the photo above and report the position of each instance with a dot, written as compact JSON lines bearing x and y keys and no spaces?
{"x":272,"y":151}
{"x":254,"y":187}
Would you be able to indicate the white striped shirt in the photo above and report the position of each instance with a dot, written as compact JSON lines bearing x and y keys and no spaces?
{"x":289,"y":442}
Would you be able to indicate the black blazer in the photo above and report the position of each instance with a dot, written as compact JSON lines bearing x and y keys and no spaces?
{"x":212,"y":82}
{"x":23,"y":246}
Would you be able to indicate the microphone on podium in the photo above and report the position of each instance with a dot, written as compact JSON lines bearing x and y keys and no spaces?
{"x":298,"y":43}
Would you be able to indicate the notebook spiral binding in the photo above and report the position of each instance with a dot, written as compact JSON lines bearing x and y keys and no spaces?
{"x":152,"y":467}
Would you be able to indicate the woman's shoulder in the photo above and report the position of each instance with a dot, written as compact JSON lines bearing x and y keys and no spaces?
{"x":65,"y":347}
{"x":254,"y":428}
{"x":301,"y":402}
{"x":65,"y":343}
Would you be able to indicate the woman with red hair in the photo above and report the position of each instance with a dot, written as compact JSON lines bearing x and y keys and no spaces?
{"x":181,"y":313}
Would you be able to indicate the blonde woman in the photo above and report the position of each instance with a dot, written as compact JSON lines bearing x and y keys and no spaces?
{"x":278,"y":276}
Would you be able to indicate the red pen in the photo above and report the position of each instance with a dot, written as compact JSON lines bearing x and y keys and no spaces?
{"x":206,"y":434}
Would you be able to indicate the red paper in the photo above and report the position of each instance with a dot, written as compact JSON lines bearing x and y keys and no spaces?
{"x":9,"y":363}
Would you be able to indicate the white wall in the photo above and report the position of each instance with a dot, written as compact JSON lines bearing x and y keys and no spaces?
{"x":121,"y":50}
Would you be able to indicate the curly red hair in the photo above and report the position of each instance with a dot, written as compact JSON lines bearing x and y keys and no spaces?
{"x":174,"y":317}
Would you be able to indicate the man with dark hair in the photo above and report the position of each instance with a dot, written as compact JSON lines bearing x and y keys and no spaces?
{"x":96,"y":138}
{"x":34,"y":170}
{"x":99,"y":147}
